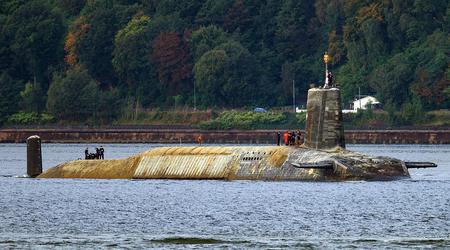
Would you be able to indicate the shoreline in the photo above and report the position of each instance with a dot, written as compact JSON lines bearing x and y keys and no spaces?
{"x":213,"y":136}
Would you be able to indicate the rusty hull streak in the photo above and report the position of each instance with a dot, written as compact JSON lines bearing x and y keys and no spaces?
{"x":94,"y":169}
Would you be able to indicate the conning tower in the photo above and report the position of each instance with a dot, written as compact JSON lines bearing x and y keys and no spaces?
{"x":324,"y":129}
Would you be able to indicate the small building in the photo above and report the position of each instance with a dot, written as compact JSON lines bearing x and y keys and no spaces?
{"x":363,"y":103}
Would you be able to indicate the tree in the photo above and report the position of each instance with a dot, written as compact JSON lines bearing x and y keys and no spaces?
{"x":205,"y":39}
{"x":412,"y":111}
{"x":292,"y":35}
{"x":213,"y":12}
{"x":132,"y":53}
{"x":32,"y":98}
{"x":300,"y":72}
{"x":221,"y":78}
{"x":73,"y":97}
{"x":171,"y":55}
{"x":70,"y":7}
{"x":108,"y":105}
{"x":336,"y":48}
{"x":186,"y":10}
{"x":209,"y":74}
{"x":237,"y":17}
{"x":95,"y":46}
{"x":391,"y":81}
{"x":94,"y":43}
{"x":9,"y":96}
{"x":35,"y":34}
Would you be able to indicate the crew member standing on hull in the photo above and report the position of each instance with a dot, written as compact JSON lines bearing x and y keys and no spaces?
{"x":97,"y":153}
{"x":102,"y":153}
{"x":278,"y":138}
{"x":286,"y":138}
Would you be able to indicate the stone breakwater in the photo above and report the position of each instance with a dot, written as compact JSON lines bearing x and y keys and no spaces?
{"x":225,"y":136}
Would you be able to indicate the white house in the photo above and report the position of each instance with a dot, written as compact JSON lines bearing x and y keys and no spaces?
{"x":302,"y":110}
{"x":363,"y":103}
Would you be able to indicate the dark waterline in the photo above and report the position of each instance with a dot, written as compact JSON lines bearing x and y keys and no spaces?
{"x":238,"y":214}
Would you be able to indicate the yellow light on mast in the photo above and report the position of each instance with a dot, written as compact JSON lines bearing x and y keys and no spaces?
{"x":326,"y":58}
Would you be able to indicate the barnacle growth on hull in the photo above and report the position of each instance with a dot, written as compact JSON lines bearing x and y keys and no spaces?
{"x":237,"y":163}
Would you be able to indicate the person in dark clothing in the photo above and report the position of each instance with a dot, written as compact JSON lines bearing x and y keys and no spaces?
{"x":278,"y":138}
{"x":291,"y":138}
{"x":97,"y":153}
{"x":86,"y":154}
{"x":102,"y":153}
{"x":330,"y":79}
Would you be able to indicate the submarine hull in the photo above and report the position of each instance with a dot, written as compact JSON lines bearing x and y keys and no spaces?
{"x":274,"y":163}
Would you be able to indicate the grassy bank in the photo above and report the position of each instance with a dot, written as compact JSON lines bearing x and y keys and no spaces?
{"x":247,"y":120}
{"x":243,"y":119}
{"x":223,"y":119}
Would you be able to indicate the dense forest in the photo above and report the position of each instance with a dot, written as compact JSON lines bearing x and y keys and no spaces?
{"x":76,"y":60}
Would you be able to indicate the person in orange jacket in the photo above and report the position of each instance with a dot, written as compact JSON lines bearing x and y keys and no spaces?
{"x":286,"y":138}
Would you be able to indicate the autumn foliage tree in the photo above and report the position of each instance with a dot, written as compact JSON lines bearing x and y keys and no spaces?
{"x":171,"y":55}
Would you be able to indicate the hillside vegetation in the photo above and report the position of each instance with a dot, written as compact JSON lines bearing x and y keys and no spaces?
{"x":101,"y":61}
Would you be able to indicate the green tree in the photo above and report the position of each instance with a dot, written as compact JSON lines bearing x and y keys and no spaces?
{"x":9,"y":96}
{"x":108,"y":106}
{"x":186,"y":10}
{"x":70,"y":7}
{"x":242,"y":86}
{"x":292,"y":36}
{"x":132,"y":56}
{"x":95,"y":46}
{"x":412,"y":112}
{"x":32,"y":98}
{"x":221,"y":79}
{"x":213,"y":12}
{"x":300,"y":72}
{"x":209,"y":74}
{"x":238,"y":17}
{"x":205,"y":39}
{"x":34,"y":32}
{"x":73,"y":97}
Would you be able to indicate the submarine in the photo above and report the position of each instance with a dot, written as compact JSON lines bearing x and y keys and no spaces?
{"x":322,"y":156}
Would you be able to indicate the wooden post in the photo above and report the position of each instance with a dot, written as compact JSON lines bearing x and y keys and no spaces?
{"x":34,"y":156}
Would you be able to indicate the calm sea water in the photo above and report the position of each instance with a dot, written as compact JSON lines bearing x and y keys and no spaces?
{"x":67,"y":213}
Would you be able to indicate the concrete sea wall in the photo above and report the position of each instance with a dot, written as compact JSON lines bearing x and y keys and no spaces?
{"x":227,"y":136}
